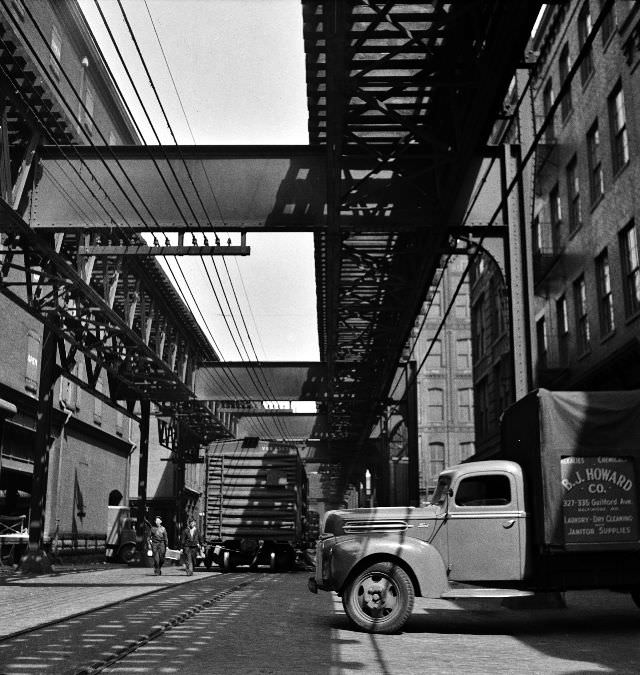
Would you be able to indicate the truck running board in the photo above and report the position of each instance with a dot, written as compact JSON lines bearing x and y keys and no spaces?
{"x":461,"y":593}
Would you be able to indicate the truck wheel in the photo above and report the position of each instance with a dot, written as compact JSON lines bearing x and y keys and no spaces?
{"x":635,"y":596}
{"x":127,"y":553}
{"x":380,"y":599}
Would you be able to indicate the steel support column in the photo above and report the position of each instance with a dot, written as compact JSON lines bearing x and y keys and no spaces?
{"x":145,"y":414}
{"x":411,"y":420}
{"x":36,"y":560}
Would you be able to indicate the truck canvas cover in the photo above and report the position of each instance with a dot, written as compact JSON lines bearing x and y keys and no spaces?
{"x":580,"y":452}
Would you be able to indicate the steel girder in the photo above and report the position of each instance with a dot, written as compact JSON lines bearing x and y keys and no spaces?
{"x":395,"y":80}
{"x":122,"y":317}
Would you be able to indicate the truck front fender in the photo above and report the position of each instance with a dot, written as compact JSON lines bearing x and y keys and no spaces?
{"x":350,"y":554}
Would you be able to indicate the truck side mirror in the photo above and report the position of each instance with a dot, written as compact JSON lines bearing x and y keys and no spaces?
{"x":450,"y":493}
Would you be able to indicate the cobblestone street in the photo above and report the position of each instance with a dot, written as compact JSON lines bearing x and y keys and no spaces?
{"x":261,"y":624}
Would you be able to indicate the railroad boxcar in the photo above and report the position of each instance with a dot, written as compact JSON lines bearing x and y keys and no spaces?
{"x":255,"y":503}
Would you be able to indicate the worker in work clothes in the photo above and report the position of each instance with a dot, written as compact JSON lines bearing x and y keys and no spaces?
{"x":190,"y":545}
{"x":159,"y":542}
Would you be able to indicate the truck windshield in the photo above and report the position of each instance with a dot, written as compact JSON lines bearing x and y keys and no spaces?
{"x":441,"y":491}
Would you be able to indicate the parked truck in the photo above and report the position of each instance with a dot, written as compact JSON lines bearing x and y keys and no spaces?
{"x":556,"y":510}
{"x":256,"y":503}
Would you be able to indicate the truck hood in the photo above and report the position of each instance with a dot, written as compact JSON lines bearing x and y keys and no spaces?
{"x":378,"y":520}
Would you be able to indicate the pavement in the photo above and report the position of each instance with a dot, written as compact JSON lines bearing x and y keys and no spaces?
{"x":71,"y":591}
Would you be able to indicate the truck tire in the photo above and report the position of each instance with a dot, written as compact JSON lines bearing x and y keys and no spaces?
{"x":379,"y":599}
{"x":635,"y":596}
{"x":127,"y":553}
{"x":226,"y":565}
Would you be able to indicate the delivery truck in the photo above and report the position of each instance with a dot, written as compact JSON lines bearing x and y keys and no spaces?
{"x":256,"y":503}
{"x":555,"y":510}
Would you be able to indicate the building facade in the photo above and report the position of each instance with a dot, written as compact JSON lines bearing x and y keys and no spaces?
{"x":444,"y":383}
{"x":585,"y":229}
{"x":94,"y":452}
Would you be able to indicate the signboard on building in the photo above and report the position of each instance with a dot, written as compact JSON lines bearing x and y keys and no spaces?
{"x":599,"y":501}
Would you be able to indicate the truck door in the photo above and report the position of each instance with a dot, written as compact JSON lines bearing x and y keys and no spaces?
{"x":483,"y":529}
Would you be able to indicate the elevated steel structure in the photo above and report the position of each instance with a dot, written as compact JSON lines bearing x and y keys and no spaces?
{"x":415,"y":88}
{"x":401,"y":100}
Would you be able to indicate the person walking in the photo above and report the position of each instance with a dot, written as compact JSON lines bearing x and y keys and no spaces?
{"x":159,"y":542}
{"x":190,"y":545}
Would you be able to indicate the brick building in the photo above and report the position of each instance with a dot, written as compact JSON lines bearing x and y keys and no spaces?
{"x":93,"y":460}
{"x":585,"y":227}
{"x":444,"y":383}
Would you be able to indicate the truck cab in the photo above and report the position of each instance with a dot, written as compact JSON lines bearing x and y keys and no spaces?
{"x":484,"y":521}
{"x":474,"y":539}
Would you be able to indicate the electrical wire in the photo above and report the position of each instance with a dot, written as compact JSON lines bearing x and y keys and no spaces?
{"x":259,"y":386}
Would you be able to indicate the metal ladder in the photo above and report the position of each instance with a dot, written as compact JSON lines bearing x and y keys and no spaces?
{"x":215,"y":473}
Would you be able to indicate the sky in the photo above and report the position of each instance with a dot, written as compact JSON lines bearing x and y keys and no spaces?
{"x":238,"y":67}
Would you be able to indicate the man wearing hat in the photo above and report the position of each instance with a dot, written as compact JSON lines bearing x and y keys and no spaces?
{"x":159,"y":542}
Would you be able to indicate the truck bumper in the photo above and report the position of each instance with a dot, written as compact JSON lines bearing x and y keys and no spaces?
{"x":312,"y":585}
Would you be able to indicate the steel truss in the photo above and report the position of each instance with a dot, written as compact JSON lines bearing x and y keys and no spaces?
{"x":396,"y":81}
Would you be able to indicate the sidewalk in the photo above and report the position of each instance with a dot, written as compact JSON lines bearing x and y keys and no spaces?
{"x":32,"y":601}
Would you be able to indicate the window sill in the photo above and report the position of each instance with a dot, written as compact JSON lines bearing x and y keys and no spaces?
{"x":566,"y":117}
{"x":632,"y":317}
{"x":607,"y":337}
{"x":609,"y":40}
{"x":584,"y":354}
{"x":596,"y":202}
{"x":588,"y":81}
{"x":575,"y":230}
{"x":621,"y":170}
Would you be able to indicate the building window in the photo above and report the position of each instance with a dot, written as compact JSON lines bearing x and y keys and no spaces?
{"x":584,"y":29}
{"x":542,"y":342}
{"x":467,"y":449}
{"x":68,"y":391}
{"x":97,"y":403}
{"x":482,"y":408}
{"x":435,"y":399}
{"x":618,"y":125}
{"x":33,"y":359}
{"x":605,"y":298}
{"x":630,"y":268}
{"x":555,"y":211}
{"x":436,"y":461}
{"x":596,"y":178}
{"x":501,"y":386}
{"x":436,"y":305}
{"x":573,"y":192}
{"x":582,"y":317}
{"x":536,"y":235}
{"x":461,"y":306}
{"x":18,"y":5}
{"x":563,"y":330}
{"x":547,"y":102}
{"x":465,"y":405}
{"x":608,"y":24}
{"x":434,"y":360}
{"x":119,"y":423}
{"x":56,"y":51}
{"x":478,"y":328}
{"x":566,"y":105}
{"x":463,"y":354}
{"x":88,"y":109}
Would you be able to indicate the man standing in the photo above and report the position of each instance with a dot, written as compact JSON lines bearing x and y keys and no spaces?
{"x":190,"y":545}
{"x":159,"y":543}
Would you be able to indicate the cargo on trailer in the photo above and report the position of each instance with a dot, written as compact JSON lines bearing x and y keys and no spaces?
{"x":256,"y":503}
